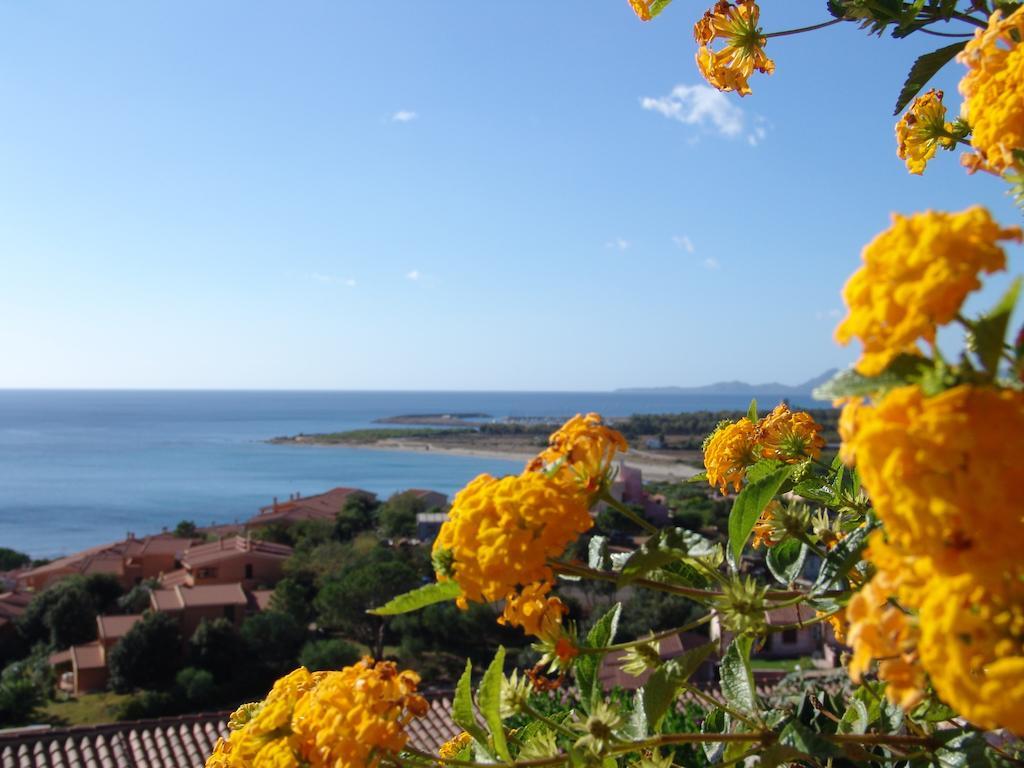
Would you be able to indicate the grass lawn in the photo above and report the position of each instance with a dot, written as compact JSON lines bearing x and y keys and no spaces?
{"x":88,"y":709}
{"x":786,"y":665}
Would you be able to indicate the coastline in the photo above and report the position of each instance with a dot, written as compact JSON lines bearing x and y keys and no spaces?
{"x":652,"y":469}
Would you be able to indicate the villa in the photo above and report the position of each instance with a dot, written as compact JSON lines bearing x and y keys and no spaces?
{"x":323,"y":506}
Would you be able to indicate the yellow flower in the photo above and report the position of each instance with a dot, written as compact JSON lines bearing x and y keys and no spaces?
{"x":972,"y":646}
{"x":921,"y":130}
{"x":538,"y":615}
{"x":915,"y":277}
{"x":840,"y":626}
{"x":848,"y":426}
{"x":585,"y":447}
{"x":357,"y":716}
{"x":500,"y":534}
{"x":737,"y":25}
{"x":728,"y":452}
{"x":944,"y":473}
{"x":642,"y":8}
{"x":880,"y":630}
{"x":765,"y":531}
{"x":789,"y":437}
{"x":993,"y":91}
{"x":451,"y":748}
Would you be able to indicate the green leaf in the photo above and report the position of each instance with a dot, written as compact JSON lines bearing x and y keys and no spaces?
{"x":738,"y":677}
{"x":597,"y":553}
{"x":438,"y":592}
{"x":636,"y":726}
{"x":748,"y":507}
{"x":800,"y":737}
{"x":856,"y":719}
{"x":662,"y":688}
{"x":923,"y":70}
{"x":462,"y":707}
{"x":752,"y":411}
{"x":601,"y":635}
{"x":840,"y":559}
{"x":715,"y":722}
{"x":786,"y":560}
{"x":963,"y":750}
{"x":488,"y":698}
{"x":904,"y":369}
{"x":657,"y":6}
{"x":815,"y":490}
{"x":932,"y":711}
{"x":989,"y":330}
{"x":664,"y":547}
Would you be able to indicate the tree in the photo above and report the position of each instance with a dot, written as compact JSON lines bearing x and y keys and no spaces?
{"x":11,"y":559}
{"x":333,"y":653}
{"x":185,"y":529}
{"x":294,"y":595}
{"x":357,"y":515}
{"x":398,"y":515}
{"x":274,"y":639}
{"x":195,"y":686}
{"x":105,"y":590}
{"x":148,"y":656}
{"x":343,"y":601}
{"x":216,"y":647}
{"x":137,"y":599}
{"x":62,"y":615}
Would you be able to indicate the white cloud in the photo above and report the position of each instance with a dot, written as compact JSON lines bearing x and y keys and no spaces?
{"x":320,"y":277}
{"x":705,"y":107}
{"x":619,"y":244}
{"x":711,"y":263}
{"x":683,"y":242}
{"x":404,"y":116}
{"x":413,"y":274}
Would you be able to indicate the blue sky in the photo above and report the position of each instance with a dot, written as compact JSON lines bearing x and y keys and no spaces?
{"x":436,"y":195}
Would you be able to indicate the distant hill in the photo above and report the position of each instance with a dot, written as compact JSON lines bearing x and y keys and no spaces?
{"x":737,"y":388}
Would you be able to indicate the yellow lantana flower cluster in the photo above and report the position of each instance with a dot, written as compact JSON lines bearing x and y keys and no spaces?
{"x":993,"y":91}
{"x":451,"y":748}
{"x":730,"y":68}
{"x":915,"y":277}
{"x":782,"y":435}
{"x":922,"y":130}
{"x":501,"y":533}
{"x":350,"y":718}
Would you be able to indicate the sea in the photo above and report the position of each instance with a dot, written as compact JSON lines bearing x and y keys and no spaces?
{"x":80,"y":468}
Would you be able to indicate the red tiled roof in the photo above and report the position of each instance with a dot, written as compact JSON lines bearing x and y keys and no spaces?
{"x":191,"y":597}
{"x":12,"y":604}
{"x":323,"y":506}
{"x":116,"y":627}
{"x":174,"y":578}
{"x":110,"y":558}
{"x":182,"y":742}
{"x":88,"y":656}
{"x":217,"y":551}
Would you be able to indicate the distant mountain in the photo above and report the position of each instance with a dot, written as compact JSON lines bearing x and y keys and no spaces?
{"x":737,"y":388}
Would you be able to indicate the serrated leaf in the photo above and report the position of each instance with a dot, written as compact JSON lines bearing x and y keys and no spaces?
{"x":636,"y":726}
{"x":662,"y":688}
{"x":800,"y":737}
{"x":786,"y":560}
{"x":923,"y":70}
{"x":462,"y":707}
{"x":815,"y":490}
{"x":664,"y":547}
{"x":964,"y":750}
{"x":488,"y":698}
{"x":904,"y":369}
{"x":586,"y":667}
{"x":748,"y":507}
{"x":597,"y":553}
{"x":738,"y":677}
{"x":762,"y":468}
{"x":989,"y":331}
{"x":438,"y":592}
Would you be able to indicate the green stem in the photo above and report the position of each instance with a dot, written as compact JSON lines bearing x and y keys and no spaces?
{"x":713,"y":702}
{"x":657,"y":636}
{"x":626,"y":512}
{"x":800,"y":30}
{"x":529,"y":710}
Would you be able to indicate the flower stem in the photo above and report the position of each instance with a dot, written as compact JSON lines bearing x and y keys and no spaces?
{"x":657,"y":636}
{"x":800,"y":30}
{"x":626,"y":512}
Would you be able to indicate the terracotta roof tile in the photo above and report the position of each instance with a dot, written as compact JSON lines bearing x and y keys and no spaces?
{"x":224,"y":549}
{"x":115,"y":627}
{"x":88,"y":656}
{"x":323,"y":506}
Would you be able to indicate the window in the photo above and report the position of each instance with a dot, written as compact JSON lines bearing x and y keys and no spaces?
{"x":229,"y":612}
{"x":789,"y":636}
{"x":206,"y":573}
{"x":248,"y":570}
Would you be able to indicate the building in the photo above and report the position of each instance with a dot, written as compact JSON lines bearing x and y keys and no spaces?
{"x":324,"y":506}
{"x":190,"y":605}
{"x":794,"y":641}
{"x":83,"y":668}
{"x":628,"y":488}
{"x":429,"y":499}
{"x":131,"y":561}
{"x":183,"y":742}
{"x":237,"y":559}
{"x":428,"y":524}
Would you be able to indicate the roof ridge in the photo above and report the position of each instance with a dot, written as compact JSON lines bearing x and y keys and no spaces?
{"x":36,"y":733}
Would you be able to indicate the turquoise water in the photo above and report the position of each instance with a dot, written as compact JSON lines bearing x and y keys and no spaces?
{"x":79,"y":468}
